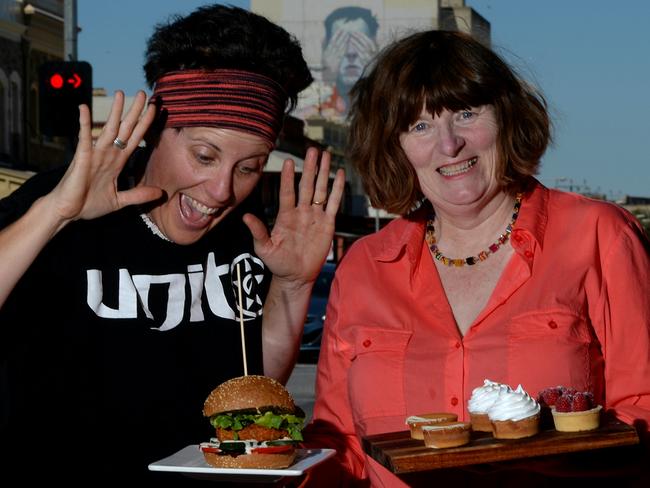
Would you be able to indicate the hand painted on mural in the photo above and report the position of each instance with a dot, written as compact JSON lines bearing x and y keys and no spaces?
{"x":333,"y":54}
{"x":350,"y":52}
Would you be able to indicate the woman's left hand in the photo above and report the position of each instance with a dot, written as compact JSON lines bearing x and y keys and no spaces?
{"x":303,"y":232}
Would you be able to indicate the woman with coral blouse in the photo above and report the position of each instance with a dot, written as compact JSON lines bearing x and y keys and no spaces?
{"x":487,"y":274}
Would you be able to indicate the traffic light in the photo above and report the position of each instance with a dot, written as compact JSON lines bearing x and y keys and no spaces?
{"x":63,"y":86}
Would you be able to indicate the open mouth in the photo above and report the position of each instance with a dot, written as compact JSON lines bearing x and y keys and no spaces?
{"x":194,"y":211}
{"x":457,"y":169}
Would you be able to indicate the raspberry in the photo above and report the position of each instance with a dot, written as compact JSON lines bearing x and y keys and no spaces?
{"x":563,"y":403}
{"x":582,"y":401}
{"x":568,"y":391}
{"x":550,"y":395}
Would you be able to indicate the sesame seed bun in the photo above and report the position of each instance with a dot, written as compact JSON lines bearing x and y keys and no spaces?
{"x":246,"y":392}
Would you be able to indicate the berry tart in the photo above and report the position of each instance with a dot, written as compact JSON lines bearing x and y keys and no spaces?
{"x":575,"y":411}
{"x":546,"y":400}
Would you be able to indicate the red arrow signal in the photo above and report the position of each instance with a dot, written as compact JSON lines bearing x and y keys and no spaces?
{"x":75,"y":81}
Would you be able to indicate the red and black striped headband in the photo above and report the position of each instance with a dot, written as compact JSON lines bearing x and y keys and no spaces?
{"x":226,"y":98}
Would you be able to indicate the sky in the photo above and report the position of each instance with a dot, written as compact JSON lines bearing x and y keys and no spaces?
{"x":590,"y":58}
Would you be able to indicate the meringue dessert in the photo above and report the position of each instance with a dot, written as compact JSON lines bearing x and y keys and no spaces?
{"x":515,"y":414}
{"x":483,"y":397}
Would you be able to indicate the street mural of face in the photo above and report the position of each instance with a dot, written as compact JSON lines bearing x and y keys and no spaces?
{"x":349,"y":46}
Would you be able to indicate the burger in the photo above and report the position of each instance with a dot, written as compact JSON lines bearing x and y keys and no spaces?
{"x":257,"y":424}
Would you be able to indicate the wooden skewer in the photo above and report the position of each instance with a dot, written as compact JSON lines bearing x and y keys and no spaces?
{"x":241,"y":321}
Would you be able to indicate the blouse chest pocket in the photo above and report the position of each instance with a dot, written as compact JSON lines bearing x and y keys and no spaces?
{"x":551,"y":348}
{"x":376,"y":376}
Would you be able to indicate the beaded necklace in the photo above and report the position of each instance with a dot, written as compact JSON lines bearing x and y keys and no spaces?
{"x":430,"y":238}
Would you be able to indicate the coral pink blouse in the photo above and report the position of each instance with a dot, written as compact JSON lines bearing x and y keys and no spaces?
{"x":571,"y":308}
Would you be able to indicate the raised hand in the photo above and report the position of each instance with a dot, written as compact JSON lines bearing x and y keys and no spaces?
{"x":302,"y":235}
{"x":333,"y":54}
{"x":89,"y":187}
{"x":364,"y":46}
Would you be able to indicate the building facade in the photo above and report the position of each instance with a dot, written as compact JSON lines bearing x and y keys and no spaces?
{"x":31,"y":33}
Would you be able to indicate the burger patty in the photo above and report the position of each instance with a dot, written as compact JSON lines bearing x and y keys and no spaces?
{"x":252,"y":431}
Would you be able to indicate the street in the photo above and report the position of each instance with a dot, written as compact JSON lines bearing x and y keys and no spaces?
{"x":301,"y":386}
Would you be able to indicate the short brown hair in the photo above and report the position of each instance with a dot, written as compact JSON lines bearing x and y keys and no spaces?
{"x":440,"y":70}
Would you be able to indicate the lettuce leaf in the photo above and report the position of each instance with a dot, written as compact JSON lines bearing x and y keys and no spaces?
{"x":234,"y":421}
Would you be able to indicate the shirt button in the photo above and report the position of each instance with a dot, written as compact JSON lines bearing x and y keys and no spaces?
{"x":454,"y":401}
{"x":457,"y":345}
{"x":518,"y":238}
{"x":552,"y":324}
{"x":367,"y":343}
{"x":528,"y":254}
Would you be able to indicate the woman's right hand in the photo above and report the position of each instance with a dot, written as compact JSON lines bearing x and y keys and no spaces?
{"x":89,"y":187}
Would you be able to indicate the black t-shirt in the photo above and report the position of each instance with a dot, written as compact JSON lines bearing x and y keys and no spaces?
{"x":114,"y":337}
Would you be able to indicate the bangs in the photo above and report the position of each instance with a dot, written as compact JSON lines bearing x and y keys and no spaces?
{"x":445,"y":84}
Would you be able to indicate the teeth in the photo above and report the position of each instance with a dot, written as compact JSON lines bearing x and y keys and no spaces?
{"x":196,"y":205}
{"x":457,"y":169}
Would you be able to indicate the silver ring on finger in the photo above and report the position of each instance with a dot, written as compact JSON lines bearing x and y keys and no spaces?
{"x":119,"y":143}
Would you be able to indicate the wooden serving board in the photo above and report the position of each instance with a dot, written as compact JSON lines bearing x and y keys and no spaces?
{"x":401,"y":454}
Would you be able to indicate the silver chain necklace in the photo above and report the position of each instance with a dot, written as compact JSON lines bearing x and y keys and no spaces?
{"x":153,"y":227}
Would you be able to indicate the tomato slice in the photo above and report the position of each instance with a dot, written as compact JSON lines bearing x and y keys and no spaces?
{"x":215,"y":450}
{"x":272,"y":449}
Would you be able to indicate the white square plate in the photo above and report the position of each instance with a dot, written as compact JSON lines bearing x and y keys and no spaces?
{"x":190,"y":460}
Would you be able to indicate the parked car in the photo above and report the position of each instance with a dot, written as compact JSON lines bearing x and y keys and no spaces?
{"x":310,"y":346}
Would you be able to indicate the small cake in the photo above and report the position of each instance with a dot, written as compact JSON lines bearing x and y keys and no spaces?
{"x":416,"y":422}
{"x":451,"y":434}
{"x":483,"y":397}
{"x":546,"y":399}
{"x":514,"y":415}
{"x":576,"y":412}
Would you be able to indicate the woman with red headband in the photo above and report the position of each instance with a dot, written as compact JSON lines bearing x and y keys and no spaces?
{"x":126,"y":276}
